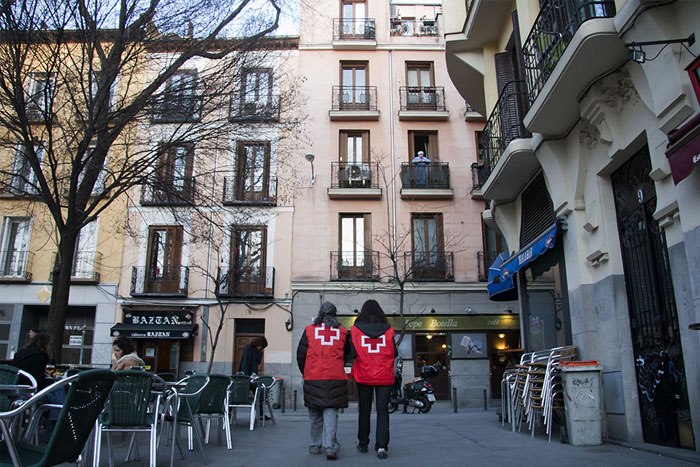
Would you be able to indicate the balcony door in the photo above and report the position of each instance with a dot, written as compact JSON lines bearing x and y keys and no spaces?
{"x":353,"y":17}
{"x":354,"y":169}
{"x":421,"y":86}
{"x":355,"y":246}
{"x":16,"y":232}
{"x":253,"y":171}
{"x":248,"y":262}
{"x":257,"y":89}
{"x":85,"y":252}
{"x":428,"y":247}
{"x":164,"y":256}
{"x":174,"y":178}
{"x":353,"y":80}
{"x":24,"y":179}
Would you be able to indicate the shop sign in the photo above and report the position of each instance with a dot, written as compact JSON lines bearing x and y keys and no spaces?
{"x":157,"y":317}
{"x":75,"y":340}
{"x":447,"y":323}
{"x":159,"y":334}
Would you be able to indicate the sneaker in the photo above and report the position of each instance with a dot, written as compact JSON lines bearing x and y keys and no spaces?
{"x":315,"y":450}
{"x":381,"y":453}
{"x":361,"y":448}
{"x":331,"y":455}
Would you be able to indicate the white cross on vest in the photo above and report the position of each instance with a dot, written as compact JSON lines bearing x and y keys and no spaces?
{"x":370,"y":346}
{"x":322,"y":333}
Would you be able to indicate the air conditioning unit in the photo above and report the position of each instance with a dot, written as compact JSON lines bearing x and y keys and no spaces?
{"x":356,"y":176}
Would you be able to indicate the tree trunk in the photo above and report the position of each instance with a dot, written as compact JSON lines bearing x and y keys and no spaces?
{"x":60,"y":292}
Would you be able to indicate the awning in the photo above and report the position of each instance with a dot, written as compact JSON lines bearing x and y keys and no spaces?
{"x":683,"y":152}
{"x":501,"y":287}
{"x":154,"y":331}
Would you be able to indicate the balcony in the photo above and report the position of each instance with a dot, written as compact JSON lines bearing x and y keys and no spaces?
{"x":16,"y":265}
{"x":431,"y":181}
{"x":235,"y":194}
{"x":177,"y":109}
{"x":413,"y":27}
{"x":485,"y":259}
{"x":17,"y":186}
{"x":478,"y":179}
{"x":436,"y":267}
{"x":160,"y":191}
{"x":354,"y":33}
{"x":571,"y":44}
{"x":509,"y":161}
{"x":171,"y":282}
{"x":354,"y":181}
{"x":235,"y":283}
{"x":354,"y":103}
{"x":355,"y":266}
{"x":422,"y":103}
{"x":86,"y":267}
{"x":255,"y":110}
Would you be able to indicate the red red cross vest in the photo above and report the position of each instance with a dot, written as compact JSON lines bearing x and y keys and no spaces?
{"x":374,"y":364}
{"x":324,"y":358}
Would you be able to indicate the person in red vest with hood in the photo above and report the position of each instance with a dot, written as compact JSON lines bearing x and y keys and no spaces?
{"x":373,"y":370}
{"x":321,"y":355}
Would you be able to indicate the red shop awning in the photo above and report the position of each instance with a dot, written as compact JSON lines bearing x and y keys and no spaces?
{"x":683,"y":151}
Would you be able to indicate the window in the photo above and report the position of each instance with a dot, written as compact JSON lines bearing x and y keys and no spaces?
{"x":248,"y":261}
{"x":354,"y":78}
{"x":14,"y":249}
{"x":164,"y":253}
{"x":354,"y":147}
{"x":99,"y":185}
{"x":84,"y":263}
{"x":253,"y":171}
{"x":421,"y":90}
{"x":353,"y":17}
{"x":425,"y":141}
{"x":24,"y":180}
{"x":94,"y":89}
{"x":694,"y":73}
{"x":355,"y":246}
{"x":40,"y":93}
{"x":178,"y":102}
{"x":428,"y":247}
{"x":257,"y":88}
{"x":174,"y":174}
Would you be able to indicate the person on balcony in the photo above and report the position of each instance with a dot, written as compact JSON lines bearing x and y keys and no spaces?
{"x":323,"y":348}
{"x":420,"y":169}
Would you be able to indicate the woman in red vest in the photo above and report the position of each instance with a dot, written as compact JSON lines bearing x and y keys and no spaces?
{"x":373,"y":370}
{"x":321,"y":354}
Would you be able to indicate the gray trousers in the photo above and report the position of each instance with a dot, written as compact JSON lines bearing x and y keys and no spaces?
{"x":324,"y":426}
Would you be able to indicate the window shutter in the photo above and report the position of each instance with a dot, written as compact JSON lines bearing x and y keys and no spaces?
{"x":537,"y":211}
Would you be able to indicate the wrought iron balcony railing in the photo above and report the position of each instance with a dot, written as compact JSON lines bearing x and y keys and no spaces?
{"x":177,"y":109}
{"x":478,"y":176}
{"x":421,"y":266}
{"x":236,"y":193}
{"x":485,"y":259}
{"x":86,"y":266}
{"x":414,"y":27}
{"x":435,"y":175}
{"x":552,"y":32}
{"x":161,"y":191}
{"x":426,"y":98}
{"x":236,"y":282}
{"x":354,"y":175}
{"x":353,"y":28}
{"x":504,"y":124}
{"x":254,"y":108}
{"x":354,"y":266}
{"x":354,"y":98}
{"x":170,"y":282}
{"x":16,"y":265}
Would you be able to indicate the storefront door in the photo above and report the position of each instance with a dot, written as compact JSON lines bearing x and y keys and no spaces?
{"x":431,"y":349}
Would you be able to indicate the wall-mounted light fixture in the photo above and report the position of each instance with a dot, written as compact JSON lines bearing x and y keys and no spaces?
{"x":432,"y":310}
{"x":638,"y":55}
{"x":310,"y":157}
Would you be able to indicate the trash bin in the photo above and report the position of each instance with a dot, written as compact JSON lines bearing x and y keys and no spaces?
{"x":583,"y":402}
{"x":275,"y":392}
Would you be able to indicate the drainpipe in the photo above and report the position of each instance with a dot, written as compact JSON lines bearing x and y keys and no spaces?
{"x":392,"y":150}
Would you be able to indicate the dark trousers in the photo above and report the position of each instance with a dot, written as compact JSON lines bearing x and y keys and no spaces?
{"x":364,"y":398}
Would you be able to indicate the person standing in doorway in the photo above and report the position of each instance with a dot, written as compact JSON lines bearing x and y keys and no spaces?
{"x":420,"y":168}
{"x":374,"y":350}
{"x":252,"y":356}
{"x":125,"y":354}
{"x":321,"y":356}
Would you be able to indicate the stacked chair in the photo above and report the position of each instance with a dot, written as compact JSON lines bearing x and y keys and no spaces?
{"x":239,"y":397}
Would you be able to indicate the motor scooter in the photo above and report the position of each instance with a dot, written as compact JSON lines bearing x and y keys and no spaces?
{"x":416,"y":393}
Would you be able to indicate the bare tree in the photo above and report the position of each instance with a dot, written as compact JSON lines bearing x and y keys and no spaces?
{"x":78,"y":81}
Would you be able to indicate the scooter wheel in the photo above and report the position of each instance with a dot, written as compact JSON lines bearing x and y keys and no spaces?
{"x":427,"y":405}
{"x":393,"y":407}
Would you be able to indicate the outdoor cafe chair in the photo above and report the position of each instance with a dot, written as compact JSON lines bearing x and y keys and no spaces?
{"x":239,"y":397}
{"x":179,"y":410}
{"x":84,"y":402}
{"x":213,"y":403}
{"x":266,"y":383}
{"x":129,"y":410}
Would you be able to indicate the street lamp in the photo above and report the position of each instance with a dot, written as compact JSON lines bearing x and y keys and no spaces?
{"x":310,"y":157}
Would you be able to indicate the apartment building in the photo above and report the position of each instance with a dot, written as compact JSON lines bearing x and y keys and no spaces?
{"x":372,"y":221}
{"x":589,"y":151}
{"x":209,"y":240}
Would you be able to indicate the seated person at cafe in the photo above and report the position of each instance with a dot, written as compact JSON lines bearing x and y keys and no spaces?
{"x":125,"y":354}
{"x":34,"y":357}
